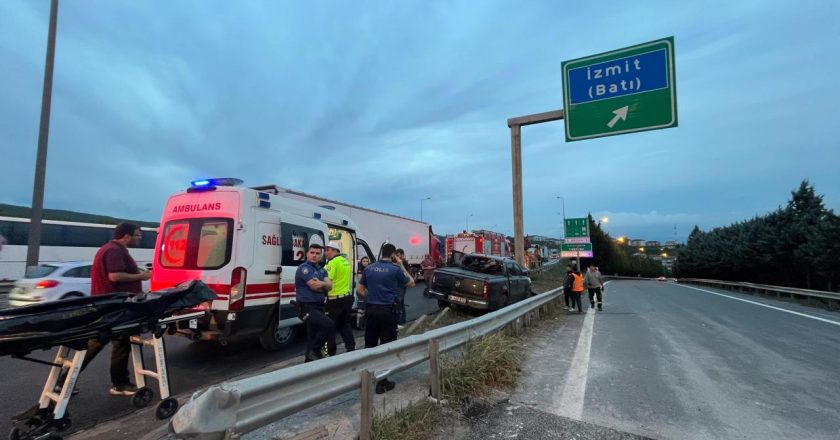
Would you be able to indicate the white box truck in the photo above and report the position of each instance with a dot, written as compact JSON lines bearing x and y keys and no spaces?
{"x":413,"y":236}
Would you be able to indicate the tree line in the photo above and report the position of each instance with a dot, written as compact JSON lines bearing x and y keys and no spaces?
{"x":797,"y":245}
{"x":613,"y":258}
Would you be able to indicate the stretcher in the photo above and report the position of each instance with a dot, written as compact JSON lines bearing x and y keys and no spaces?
{"x":69,"y":324}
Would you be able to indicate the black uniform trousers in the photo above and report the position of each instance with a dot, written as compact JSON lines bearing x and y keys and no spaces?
{"x":318,"y":329}
{"x":593,"y":292}
{"x":380,"y":324}
{"x":340,"y":310}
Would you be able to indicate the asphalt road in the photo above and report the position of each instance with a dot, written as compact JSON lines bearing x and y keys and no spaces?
{"x":191,"y":366}
{"x":669,"y":361}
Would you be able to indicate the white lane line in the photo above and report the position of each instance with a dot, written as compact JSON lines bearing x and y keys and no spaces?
{"x":570,"y":403}
{"x":804,"y":315}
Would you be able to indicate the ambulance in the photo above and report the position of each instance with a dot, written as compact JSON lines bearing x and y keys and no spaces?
{"x":246,"y":245}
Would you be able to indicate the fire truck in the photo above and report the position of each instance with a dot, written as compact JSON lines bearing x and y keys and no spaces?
{"x":478,"y":242}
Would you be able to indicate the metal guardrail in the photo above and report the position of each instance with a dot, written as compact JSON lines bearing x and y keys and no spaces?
{"x":231,"y":408}
{"x":833,"y":298}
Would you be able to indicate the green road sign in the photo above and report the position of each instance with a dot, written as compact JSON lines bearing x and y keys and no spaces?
{"x":583,"y":250}
{"x":622,"y":91}
{"x":577,"y":227}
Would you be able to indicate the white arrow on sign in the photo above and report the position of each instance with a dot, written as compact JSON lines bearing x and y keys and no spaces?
{"x":619,"y":114}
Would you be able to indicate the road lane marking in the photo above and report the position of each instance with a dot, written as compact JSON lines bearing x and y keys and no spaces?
{"x":570,"y":403}
{"x":762,"y":305}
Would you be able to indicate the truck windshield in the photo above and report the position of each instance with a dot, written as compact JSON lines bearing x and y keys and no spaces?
{"x":201,"y":243}
{"x":481,"y":264}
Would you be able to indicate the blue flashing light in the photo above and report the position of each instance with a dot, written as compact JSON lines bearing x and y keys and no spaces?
{"x":265,"y":204}
{"x":220,"y":181}
{"x":317,"y":215}
{"x":344,"y":223}
{"x":263,"y":196}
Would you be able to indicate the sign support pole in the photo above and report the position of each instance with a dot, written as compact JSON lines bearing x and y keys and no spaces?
{"x":515,"y":125}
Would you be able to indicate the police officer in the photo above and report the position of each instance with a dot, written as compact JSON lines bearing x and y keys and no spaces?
{"x":311,"y":286}
{"x":380,"y":284}
{"x":340,"y":298}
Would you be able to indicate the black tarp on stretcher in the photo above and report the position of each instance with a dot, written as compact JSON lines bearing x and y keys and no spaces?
{"x":72,"y":322}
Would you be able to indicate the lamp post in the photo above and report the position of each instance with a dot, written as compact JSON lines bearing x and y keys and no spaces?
{"x":468,"y":222}
{"x":564,"y":215}
{"x":421,"y":206}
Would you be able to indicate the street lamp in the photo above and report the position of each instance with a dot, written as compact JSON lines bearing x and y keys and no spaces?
{"x":605,"y":219}
{"x":468,"y":222}
{"x":421,"y":207}
{"x":621,"y":239}
{"x":564,"y":214}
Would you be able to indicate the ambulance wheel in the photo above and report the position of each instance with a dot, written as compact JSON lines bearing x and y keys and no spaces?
{"x":166,"y":408}
{"x":274,"y":337}
{"x":143,"y":397}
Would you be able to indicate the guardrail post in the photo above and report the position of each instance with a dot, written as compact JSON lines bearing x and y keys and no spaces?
{"x":434,"y":370}
{"x":416,"y":324}
{"x":440,"y":315}
{"x":367,"y":392}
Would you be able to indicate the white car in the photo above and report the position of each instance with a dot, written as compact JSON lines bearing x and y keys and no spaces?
{"x":54,"y":281}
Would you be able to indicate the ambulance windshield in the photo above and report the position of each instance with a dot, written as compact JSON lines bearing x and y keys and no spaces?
{"x":196,"y":243}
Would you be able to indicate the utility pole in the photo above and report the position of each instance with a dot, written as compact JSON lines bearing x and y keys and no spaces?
{"x":34,"y":244}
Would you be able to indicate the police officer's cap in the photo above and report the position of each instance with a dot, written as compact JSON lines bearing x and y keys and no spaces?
{"x":334,"y":245}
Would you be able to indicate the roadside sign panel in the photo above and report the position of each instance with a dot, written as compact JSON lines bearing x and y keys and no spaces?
{"x":621,"y":91}
{"x":576,"y":228}
{"x":577,"y":240}
{"x":583,"y":250}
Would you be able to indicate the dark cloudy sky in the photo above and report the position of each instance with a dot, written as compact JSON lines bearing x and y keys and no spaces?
{"x":382,"y":103}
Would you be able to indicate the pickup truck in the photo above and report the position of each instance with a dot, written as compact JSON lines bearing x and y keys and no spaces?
{"x":481,"y":282}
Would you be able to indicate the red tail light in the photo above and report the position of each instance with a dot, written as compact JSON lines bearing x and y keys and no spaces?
{"x":46,"y":284}
{"x":238,"y":279}
{"x":486,"y":293}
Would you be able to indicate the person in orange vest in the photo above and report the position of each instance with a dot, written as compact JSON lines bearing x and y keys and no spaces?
{"x":576,"y":280}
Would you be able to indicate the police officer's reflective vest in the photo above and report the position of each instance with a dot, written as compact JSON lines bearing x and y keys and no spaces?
{"x":577,"y":285}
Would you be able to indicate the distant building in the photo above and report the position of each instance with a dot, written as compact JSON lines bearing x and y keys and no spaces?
{"x":652,"y":243}
{"x":637,"y":242}
{"x":670,"y":244}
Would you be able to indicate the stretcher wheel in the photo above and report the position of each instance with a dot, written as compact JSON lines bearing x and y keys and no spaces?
{"x":64,"y":423}
{"x":166,"y":408}
{"x":142,"y":397}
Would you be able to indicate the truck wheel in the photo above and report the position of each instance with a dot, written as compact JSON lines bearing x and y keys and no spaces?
{"x":274,"y":338}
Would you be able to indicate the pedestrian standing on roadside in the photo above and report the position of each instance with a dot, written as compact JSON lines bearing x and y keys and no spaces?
{"x":401,"y":297}
{"x":567,"y":289}
{"x":428,"y":266}
{"x":380,"y":285}
{"x":114,"y":271}
{"x":577,"y":290}
{"x":339,"y":299}
{"x":594,"y":282}
{"x":311,"y":287}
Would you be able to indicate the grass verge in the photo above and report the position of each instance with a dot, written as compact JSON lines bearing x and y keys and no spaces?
{"x":420,"y":421}
{"x":485,"y":364}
